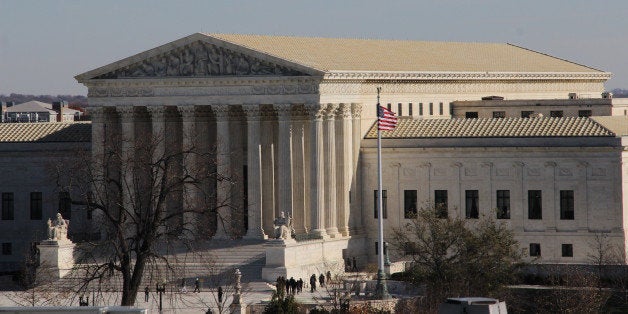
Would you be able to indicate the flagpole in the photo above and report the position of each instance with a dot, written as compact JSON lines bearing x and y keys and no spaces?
{"x":381,"y":292}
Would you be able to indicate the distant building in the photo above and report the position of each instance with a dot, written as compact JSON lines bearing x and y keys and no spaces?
{"x":37,"y":111}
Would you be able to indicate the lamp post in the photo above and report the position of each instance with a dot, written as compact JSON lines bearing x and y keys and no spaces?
{"x":161,"y":289}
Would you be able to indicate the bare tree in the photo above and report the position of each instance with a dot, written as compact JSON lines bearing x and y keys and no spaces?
{"x":145,"y":196}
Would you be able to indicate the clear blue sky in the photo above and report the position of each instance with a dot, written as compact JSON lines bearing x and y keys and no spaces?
{"x":44,"y":44}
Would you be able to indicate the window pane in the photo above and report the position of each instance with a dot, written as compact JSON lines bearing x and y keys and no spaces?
{"x":440,"y":108}
{"x":499,"y":114}
{"x":503,"y":204}
{"x":567,"y":250}
{"x":409,"y":203}
{"x":535,"y":249}
{"x":584,"y":113}
{"x":534,"y":205}
{"x":420,"y":108}
{"x":410,"y":109}
{"x":36,"y":206}
{"x":526,"y":114}
{"x":556,"y":114}
{"x":566,"y":205}
{"x":7,"y":206}
{"x":384,"y":205}
{"x":472,"y":204}
{"x":471,"y":115}
{"x":65,"y":205}
{"x":440,"y":203}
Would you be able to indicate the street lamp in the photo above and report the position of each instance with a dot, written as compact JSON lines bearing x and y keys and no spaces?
{"x":160,"y":289}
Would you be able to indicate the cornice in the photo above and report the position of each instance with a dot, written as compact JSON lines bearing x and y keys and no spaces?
{"x":454,"y":76}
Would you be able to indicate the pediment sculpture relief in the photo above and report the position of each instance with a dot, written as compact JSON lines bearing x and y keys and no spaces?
{"x":200,"y":59}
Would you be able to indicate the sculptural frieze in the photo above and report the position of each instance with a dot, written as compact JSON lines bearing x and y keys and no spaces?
{"x":200,"y":59}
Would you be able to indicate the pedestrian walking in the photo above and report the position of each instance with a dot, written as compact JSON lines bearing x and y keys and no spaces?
{"x":313,"y":283}
{"x":197,"y":286}
{"x":328,"y":276}
{"x":146,"y":291}
{"x":220,"y":294}
{"x":355,"y":265}
{"x":300,"y":285}
{"x":321,"y":280}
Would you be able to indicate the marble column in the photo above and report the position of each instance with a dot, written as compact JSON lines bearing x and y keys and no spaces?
{"x":99,"y":130}
{"x":205,"y":143}
{"x":330,"y":170}
{"x":268,"y":173}
{"x":356,"y":186}
{"x":158,"y":139}
{"x":127,"y":154}
{"x":254,"y":172}
{"x":298,"y":170}
{"x":344,"y":159}
{"x":224,"y":183}
{"x":190,"y":152}
{"x":317,"y":168}
{"x":284,"y":149}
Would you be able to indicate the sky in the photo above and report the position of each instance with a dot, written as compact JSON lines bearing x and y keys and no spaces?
{"x":44,"y":44}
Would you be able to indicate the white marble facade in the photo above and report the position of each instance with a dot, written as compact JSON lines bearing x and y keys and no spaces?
{"x":299,"y":133}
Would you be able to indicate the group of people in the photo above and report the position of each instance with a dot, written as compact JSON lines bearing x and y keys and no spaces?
{"x":321,"y":280}
{"x":351,"y":266}
{"x":291,"y":286}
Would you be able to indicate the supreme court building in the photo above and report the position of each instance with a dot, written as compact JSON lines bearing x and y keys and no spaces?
{"x":482,"y":126}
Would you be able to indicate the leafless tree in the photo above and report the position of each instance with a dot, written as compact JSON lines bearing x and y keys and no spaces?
{"x":146,"y":197}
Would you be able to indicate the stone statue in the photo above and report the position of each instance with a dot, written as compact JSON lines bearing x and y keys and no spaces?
{"x":283,"y":227}
{"x":58,"y":228}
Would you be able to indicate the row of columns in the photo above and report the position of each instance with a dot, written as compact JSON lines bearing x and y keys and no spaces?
{"x":300,"y":159}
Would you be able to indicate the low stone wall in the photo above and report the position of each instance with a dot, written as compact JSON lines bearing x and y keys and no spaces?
{"x":290,"y":258}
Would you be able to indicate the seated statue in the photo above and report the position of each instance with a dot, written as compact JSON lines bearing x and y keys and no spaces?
{"x":283,"y":227}
{"x":58,"y":228}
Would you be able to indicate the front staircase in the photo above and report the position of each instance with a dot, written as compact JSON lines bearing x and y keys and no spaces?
{"x":212,"y":262}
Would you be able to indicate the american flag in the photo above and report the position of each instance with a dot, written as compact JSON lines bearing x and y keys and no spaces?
{"x":386,"y":119}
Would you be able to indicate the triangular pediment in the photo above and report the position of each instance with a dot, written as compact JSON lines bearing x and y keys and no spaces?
{"x":197,"y":55}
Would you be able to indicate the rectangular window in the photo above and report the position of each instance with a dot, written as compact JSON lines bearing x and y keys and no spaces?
{"x":7,"y":248}
{"x":535,"y":249}
{"x":471,"y":115}
{"x":431,"y":109}
{"x":503,"y":204}
{"x":410,"y":109}
{"x":567,"y":250}
{"x":409,"y":204}
{"x":584,"y":113}
{"x":472,"y":204}
{"x":440,"y":203}
{"x":420,"y":108}
{"x":526,"y":114}
{"x":409,"y":248}
{"x":535,"y":209}
{"x":400,"y":109}
{"x":499,"y":114}
{"x":389,"y":106}
{"x":566,"y":205}
{"x":377,"y":247}
{"x":36,"y":206}
{"x":440,"y":108}
{"x":556,"y":114}
{"x":7,"y":206}
{"x":65,"y":205}
{"x":384,"y":206}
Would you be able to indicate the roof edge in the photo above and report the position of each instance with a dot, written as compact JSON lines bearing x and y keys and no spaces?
{"x":437,"y":75}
